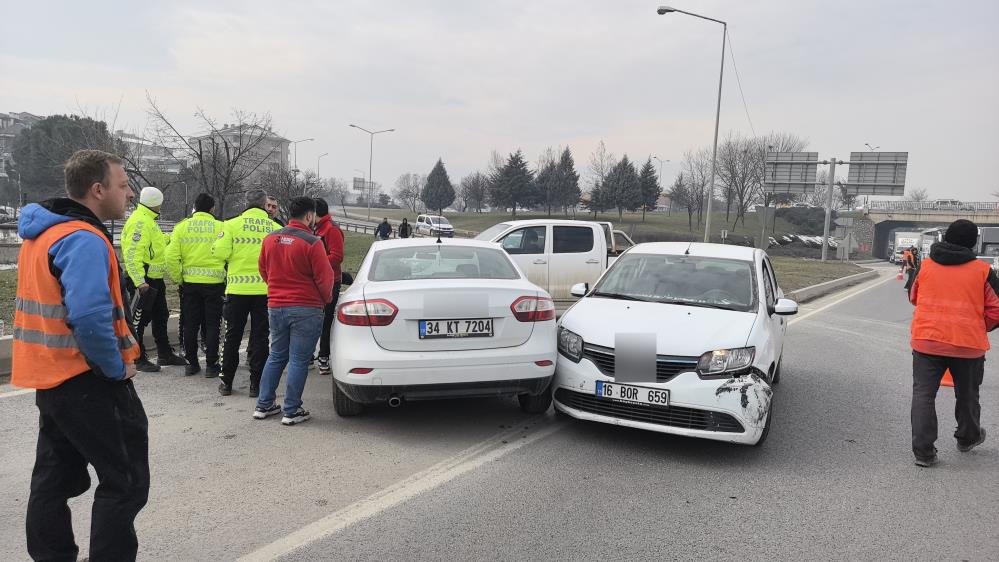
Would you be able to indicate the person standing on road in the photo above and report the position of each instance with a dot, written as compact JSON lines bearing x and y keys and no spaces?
{"x":190,"y":263}
{"x":957,"y":303}
{"x":296,"y":267}
{"x":384,"y":230}
{"x":143,"y":249}
{"x":272,"y":210}
{"x":332,"y":238}
{"x":909,"y":266}
{"x":405,"y":230}
{"x":238,"y":245}
{"x":73,"y":344}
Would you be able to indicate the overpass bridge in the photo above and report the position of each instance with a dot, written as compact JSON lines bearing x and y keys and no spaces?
{"x":889,"y":216}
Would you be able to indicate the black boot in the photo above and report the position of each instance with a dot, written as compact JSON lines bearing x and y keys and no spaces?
{"x":144,"y":365}
{"x":254,"y":385}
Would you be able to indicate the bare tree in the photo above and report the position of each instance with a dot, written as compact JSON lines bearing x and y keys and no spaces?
{"x":408,"y":188}
{"x":682,"y":194}
{"x":472,"y":191}
{"x":224,"y":158}
{"x":697,"y":166}
{"x":918,"y":194}
{"x":600,"y":165}
{"x":338,"y":193}
{"x":284,"y":185}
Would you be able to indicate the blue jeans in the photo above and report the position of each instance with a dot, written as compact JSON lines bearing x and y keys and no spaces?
{"x":294,"y":333}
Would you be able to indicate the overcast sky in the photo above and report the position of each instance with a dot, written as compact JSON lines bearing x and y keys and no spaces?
{"x":457,"y":79}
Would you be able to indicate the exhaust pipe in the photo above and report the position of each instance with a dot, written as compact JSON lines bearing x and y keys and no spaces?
{"x":394,"y":401}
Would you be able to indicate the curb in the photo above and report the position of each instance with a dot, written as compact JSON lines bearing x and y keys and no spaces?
{"x":806,"y":294}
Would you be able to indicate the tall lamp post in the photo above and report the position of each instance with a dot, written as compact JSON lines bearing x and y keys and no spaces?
{"x":371,"y":153}
{"x":318,"y":160}
{"x":295,"y":144}
{"x":714,"y":151}
{"x":661,"y":161}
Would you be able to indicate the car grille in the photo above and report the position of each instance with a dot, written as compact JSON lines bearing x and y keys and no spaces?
{"x":673,"y":416}
{"x":667,"y":366}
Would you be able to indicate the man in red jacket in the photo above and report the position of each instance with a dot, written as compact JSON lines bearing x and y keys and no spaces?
{"x":956,"y":305}
{"x":299,"y":279}
{"x":333,"y":241}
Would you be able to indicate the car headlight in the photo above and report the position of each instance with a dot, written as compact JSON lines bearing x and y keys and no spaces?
{"x":570,"y":344}
{"x":723,"y":362}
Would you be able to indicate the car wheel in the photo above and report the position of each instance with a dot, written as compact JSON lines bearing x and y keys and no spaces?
{"x":537,"y":404}
{"x":766,"y":428}
{"x":343,"y":405}
{"x":775,"y":378}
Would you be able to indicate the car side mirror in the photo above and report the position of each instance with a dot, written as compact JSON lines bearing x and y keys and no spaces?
{"x":579,"y":289}
{"x":785,"y":307}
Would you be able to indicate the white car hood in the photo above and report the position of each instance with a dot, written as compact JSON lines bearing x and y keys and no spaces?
{"x":680,"y":330}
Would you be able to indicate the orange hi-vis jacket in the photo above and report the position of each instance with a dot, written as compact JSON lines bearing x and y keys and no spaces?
{"x":46,"y":353}
{"x":951,"y":304}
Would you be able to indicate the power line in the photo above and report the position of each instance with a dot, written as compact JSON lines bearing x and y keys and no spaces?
{"x":738,"y":81}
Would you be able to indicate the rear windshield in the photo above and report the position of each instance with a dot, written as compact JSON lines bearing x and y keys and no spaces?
{"x":440,"y":262}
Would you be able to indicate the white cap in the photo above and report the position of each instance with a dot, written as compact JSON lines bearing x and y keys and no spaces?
{"x":151,"y":197}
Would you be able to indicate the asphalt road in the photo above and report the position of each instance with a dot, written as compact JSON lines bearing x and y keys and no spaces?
{"x":479,"y":480}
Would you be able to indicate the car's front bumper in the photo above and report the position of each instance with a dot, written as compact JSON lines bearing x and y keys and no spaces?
{"x":732,"y":409}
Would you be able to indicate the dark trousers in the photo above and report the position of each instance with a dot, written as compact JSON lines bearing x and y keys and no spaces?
{"x":88,"y":420}
{"x":202,"y":308}
{"x":329,"y":314}
{"x":235,"y":311}
{"x":927,"y":370}
{"x":156,"y":313}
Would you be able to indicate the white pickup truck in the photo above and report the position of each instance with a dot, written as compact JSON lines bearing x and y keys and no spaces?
{"x":556,"y":254}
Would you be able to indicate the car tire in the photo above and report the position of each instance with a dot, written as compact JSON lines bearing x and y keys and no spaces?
{"x":766,"y":428}
{"x":537,"y":404}
{"x":343,"y":405}
{"x":775,"y":378}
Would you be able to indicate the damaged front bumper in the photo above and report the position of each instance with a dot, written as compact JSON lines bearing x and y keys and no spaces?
{"x":734,"y":410}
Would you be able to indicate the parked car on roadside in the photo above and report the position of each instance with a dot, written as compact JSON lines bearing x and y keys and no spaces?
{"x":425,"y":320}
{"x":433,"y":225}
{"x":715,"y":318}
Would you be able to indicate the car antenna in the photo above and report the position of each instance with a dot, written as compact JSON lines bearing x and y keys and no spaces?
{"x":687,"y":251}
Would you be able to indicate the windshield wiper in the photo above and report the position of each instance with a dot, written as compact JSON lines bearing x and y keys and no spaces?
{"x":701,"y":304}
{"x":620,"y":296}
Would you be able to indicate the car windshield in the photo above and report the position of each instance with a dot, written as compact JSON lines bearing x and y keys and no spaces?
{"x":686,"y":280}
{"x":440,"y":220}
{"x":490,"y":233}
{"x":440,"y":262}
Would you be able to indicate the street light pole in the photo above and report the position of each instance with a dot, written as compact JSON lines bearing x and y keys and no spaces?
{"x":318,"y":160}
{"x":295,"y":144}
{"x":371,"y":156}
{"x":714,"y":150}
{"x":670,"y":208}
{"x":187,"y":202}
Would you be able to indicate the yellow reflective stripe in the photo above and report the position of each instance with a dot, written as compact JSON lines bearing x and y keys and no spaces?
{"x":61,"y":341}
{"x":27,"y":306}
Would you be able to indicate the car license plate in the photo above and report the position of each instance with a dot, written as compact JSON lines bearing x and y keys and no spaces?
{"x":466,"y":328}
{"x":633,"y":394}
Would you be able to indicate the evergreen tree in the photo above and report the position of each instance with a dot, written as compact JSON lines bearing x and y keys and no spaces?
{"x":547,"y":182}
{"x":567,"y":181}
{"x":41,"y":151}
{"x":513,"y":184}
{"x":621,"y":189}
{"x":438,"y":193}
{"x":649,"y":186}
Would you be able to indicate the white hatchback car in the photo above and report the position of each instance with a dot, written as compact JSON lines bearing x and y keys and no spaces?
{"x":681,"y":338}
{"x":426,"y":320}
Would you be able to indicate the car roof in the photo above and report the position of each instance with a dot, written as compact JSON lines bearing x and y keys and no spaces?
{"x":727,"y":251}
{"x":430,"y":241}
{"x":534,"y":222}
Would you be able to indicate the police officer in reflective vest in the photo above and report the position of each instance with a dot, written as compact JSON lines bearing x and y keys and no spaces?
{"x":957,"y":303}
{"x":191,"y":263}
{"x":143,"y":249}
{"x":238,"y":245}
{"x":72,"y":343}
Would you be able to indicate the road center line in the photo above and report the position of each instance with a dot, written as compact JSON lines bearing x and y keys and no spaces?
{"x":837,"y":301}
{"x":406,"y":489}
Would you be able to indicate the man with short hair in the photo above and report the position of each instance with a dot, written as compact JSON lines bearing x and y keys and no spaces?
{"x":272,"y":209}
{"x":384,"y":230}
{"x":238,"y":245}
{"x":143,"y":250}
{"x":296,"y":268}
{"x":73,"y":344}
{"x":332,"y":238}
{"x":191,"y":264}
{"x":957,"y":303}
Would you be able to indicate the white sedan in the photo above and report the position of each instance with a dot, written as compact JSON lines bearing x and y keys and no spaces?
{"x":682,"y":338}
{"x":448,"y":319}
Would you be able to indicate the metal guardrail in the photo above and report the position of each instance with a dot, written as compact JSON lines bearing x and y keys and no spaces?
{"x":976,"y":207}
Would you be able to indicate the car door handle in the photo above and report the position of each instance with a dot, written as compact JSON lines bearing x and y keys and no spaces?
{"x":593,"y":260}
{"x":540,"y":262}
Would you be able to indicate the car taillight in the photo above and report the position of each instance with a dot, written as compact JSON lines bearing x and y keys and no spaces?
{"x":533,"y":309}
{"x":375,"y":312}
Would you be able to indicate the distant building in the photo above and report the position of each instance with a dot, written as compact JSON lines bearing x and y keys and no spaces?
{"x":271,"y":153}
{"x":149,"y":156}
{"x":11,"y":125}
{"x":663,"y":203}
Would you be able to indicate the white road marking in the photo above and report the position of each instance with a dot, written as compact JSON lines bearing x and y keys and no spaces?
{"x":424,"y":481}
{"x":837,"y":301}
{"x":16,"y":392}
